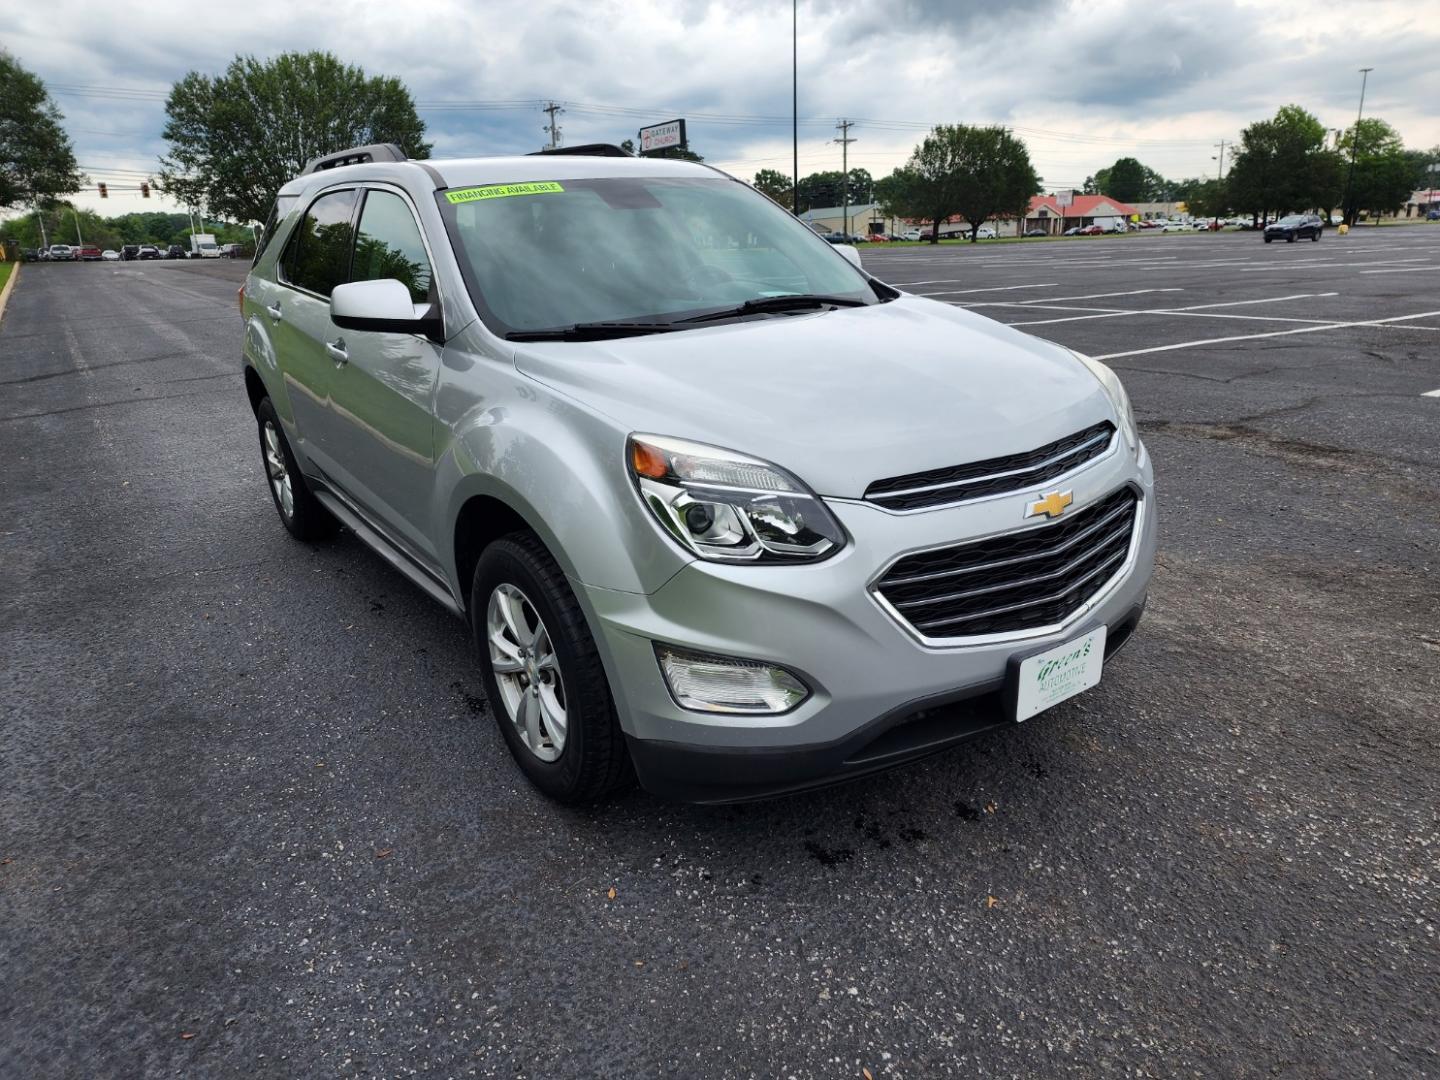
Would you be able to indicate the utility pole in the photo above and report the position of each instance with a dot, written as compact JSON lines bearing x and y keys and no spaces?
{"x":40,"y":217}
{"x":795,"y":106}
{"x":553,"y":128}
{"x":844,"y":126}
{"x":1220,"y":177}
{"x":1350,"y":214}
{"x":76,"y":215}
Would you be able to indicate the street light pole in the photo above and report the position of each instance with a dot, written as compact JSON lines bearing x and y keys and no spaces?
{"x":1355,"y":149}
{"x":1220,"y":178}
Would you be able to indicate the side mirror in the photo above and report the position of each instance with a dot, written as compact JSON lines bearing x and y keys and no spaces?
{"x":851,"y":253}
{"x":382,"y":307}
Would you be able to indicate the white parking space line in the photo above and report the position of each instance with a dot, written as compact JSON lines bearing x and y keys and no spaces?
{"x":1048,"y":301}
{"x":958,"y":292}
{"x":1431,"y":393}
{"x":1271,"y":334}
{"x":1401,"y":270}
{"x":1112,"y":314}
{"x":1306,"y":265}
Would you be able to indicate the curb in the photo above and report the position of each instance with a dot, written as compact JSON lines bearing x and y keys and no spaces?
{"x":9,"y":288}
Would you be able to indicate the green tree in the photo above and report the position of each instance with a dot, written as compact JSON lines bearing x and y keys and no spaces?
{"x":917,"y":192}
{"x":1282,"y":165}
{"x":989,"y":171}
{"x":235,"y":138}
{"x":1127,"y":180}
{"x":775,"y":184}
{"x":829,"y":188}
{"x":37,"y":162}
{"x":1382,"y":177}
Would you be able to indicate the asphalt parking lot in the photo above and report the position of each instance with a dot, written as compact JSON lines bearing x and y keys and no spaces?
{"x":256,"y":820}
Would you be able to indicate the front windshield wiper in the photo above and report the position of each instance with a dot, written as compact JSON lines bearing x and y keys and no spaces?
{"x":765,"y":304}
{"x":592,"y":331}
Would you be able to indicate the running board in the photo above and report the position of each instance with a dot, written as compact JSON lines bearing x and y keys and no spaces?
{"x":382,"y":546}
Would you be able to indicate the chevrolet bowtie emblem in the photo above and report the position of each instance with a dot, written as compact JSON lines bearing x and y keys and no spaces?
{"x":1052,"y":504}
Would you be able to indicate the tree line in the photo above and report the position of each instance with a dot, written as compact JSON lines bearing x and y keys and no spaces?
{"x":67,"y":224}
{"x":1287,"y":164}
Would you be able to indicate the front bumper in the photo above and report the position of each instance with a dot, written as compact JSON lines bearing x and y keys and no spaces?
{"x":880,"y":695}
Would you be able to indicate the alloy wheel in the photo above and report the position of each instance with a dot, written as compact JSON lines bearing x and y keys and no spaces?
{"x":527,"y":671}
{"x":279,"y":475}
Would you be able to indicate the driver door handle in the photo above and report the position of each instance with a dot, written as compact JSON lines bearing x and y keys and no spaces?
{"x":337,"y":351}
{"x":273,"y":311}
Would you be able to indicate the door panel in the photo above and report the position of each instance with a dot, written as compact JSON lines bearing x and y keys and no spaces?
{"x":316,"y":259}
{"x":379,"y":429}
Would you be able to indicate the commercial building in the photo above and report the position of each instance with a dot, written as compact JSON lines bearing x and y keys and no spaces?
{"x":864,"y":219}
{"x":1046,"y":213}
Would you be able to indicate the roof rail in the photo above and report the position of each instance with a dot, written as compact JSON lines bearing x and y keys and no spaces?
{"x":356,"y":155}
{"x":594,"y":149}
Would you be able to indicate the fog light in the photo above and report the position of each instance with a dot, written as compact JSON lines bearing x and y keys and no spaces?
{"x":725,"y":684}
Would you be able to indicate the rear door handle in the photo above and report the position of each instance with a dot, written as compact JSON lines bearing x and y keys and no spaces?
{"x":337,"y":351}
{"x":273,"y":311}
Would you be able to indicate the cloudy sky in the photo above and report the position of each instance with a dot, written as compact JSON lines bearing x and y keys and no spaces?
{"x":1084,"y":81}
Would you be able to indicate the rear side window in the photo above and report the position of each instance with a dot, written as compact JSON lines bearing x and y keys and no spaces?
{"x":277,"y":212}
{"x":318,"y":257}
{"x":389,"y":245}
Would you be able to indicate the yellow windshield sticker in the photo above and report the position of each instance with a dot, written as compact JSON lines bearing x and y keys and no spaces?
{"x":502,"y":191}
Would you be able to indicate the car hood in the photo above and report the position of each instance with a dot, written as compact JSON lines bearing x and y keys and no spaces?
{"x":841,"y":397}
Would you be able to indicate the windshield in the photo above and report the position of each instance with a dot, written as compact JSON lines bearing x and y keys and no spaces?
{"x":538,"y":256}
{"x":1292,"y":219}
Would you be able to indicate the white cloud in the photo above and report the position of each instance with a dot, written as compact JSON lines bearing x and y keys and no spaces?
{"x":1084,"y":82}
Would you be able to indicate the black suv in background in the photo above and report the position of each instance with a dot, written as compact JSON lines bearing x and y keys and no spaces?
{"x":130,"y":251}
{"x":1295,"y":227}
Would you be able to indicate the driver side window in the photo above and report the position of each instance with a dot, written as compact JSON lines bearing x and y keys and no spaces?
{"x":318,"y":257}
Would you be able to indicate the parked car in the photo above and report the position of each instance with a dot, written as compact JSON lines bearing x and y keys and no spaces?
{"x":984,"y":233}
{"x":1294,"y":227}
{"x":1433,"y":215}
{"x":1074,"y":230}
{"x":89,"y":254}
{"x":129,"y":251}
{"x":110,"y":255}
{"x":718,"y":584}
{"x":232,"y":251}
{"x":148,"y":251}
{"x":62,"y":253}
{"x":175,"y":251}
{"x":910,"y":234}
{"x":1177,"y":226}
{"x":1092,"y":230}
{"x":29,"y":255}
{"x":1036,"y":232}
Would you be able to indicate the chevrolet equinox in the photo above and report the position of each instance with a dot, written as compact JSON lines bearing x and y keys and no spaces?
{"x":723,"y":512}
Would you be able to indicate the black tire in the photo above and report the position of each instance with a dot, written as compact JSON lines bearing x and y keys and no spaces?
{"x":593,"y":761}
{"x":1268,"y":239}
{"x":1290,"y":239}
{"x":1315,"y":236}
{"x":306,"y":519}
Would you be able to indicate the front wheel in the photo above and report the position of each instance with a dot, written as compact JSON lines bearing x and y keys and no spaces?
{"x":300,"y":512}
{"x":1290,"y":239}
{"x":1315,"y":236}
{"x":542,"y":673}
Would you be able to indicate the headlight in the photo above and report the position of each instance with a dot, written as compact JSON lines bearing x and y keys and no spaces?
{"x":728,"y":507}
{"x":1118,"y":397}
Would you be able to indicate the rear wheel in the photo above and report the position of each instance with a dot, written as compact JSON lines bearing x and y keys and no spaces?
{"x":543,"y":674}
{"x":1290,"y":239}
{"x":300,"y":512}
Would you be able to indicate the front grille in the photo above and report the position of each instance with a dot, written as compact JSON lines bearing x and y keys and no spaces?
{"x":996,"y":476}
{"x":1022,"y":580}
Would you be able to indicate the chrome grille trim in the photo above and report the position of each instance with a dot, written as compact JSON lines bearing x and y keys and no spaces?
{"x":1097,"y":441}
{"x":1109,"y":555}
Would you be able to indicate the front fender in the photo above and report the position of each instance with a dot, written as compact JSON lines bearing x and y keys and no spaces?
{"x":560,"y":467}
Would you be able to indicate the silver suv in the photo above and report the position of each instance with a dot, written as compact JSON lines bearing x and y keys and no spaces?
{"x":721,"y":510}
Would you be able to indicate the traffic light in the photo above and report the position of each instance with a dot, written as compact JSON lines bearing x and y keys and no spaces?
{"x":103,"y":193}
{"x":144,"y":190}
